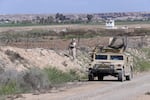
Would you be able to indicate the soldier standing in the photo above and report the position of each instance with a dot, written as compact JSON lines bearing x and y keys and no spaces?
{"x":72,"y":48}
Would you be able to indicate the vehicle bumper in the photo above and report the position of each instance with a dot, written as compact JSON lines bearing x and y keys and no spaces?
{"x":104,"y":71}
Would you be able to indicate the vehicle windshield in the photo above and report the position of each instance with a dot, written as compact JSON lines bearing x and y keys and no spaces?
{"x":116,"y":57}
{"x":101,"y":57}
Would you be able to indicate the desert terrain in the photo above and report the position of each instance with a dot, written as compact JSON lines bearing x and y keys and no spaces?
{"x":21,"y":54}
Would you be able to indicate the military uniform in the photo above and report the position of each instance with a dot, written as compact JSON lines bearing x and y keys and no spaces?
{"x":72,"y":47}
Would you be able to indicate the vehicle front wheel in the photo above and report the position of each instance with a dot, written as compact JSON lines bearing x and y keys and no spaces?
{"x":121,"y":76}
{"x":91,"y":77}
{"x":130,"y":76}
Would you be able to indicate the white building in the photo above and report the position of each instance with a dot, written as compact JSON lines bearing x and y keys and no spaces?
{"x":110,"y":24}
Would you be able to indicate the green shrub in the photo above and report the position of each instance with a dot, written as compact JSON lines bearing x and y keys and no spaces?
{"x":142,"y":65}
{"x":147,"y":52}
{"x":35,"y":79}
{"x":141,"y":60}
{"x":58,"y":77}
{"x":12,"y":82}
{"x":9,"y":88}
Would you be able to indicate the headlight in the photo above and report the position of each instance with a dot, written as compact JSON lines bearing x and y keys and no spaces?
{"x":118,"y":65}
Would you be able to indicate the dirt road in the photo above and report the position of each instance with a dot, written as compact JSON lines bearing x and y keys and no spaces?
{"x":101,"y":90}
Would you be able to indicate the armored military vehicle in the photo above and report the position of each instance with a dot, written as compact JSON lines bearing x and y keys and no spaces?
{"x":111,"y":60}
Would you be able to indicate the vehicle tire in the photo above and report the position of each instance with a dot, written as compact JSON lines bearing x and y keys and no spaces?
{"x":121,"y":76}
{"x":129,"y":77}
{"x":131,"y":72}
{"x":100,"y":77}
{"x":91,"y":77}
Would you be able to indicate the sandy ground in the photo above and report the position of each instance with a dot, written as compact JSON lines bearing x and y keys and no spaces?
{"x":70,"y":26}
{"x":51,"y":27}
{"x":143,"y":97}
{"x":101,"y":90}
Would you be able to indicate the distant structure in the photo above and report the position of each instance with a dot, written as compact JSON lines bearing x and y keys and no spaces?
{"x":110,"y":24}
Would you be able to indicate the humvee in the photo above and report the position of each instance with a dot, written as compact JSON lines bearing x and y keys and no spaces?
{"x":110,"y":61}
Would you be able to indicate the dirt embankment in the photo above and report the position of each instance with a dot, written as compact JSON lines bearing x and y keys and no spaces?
{"x":22,"y":59}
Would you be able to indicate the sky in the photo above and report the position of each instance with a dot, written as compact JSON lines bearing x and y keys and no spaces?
{"x":72,"y":6}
